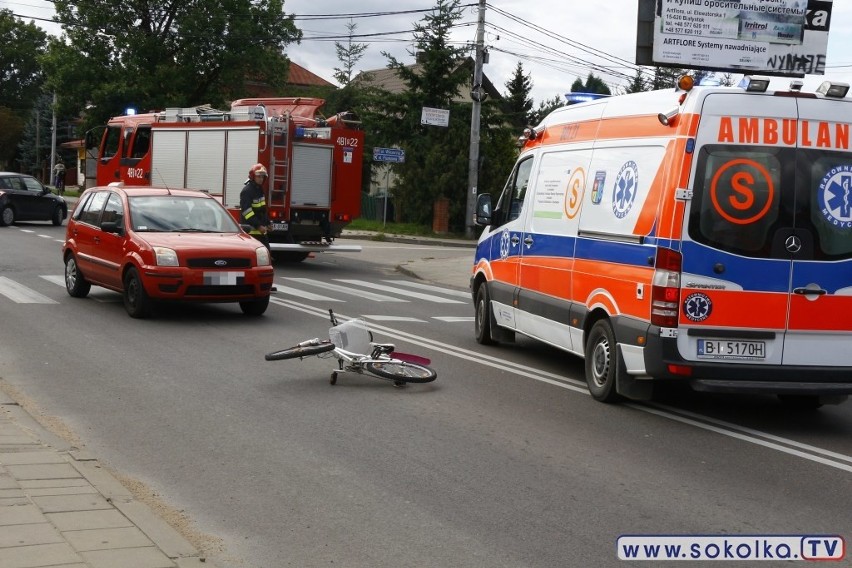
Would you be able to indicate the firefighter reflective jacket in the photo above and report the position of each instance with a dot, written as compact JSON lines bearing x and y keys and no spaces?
{"x":253,"y":206}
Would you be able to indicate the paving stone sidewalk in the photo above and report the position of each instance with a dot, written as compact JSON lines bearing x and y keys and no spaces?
{"x":60,"y":508}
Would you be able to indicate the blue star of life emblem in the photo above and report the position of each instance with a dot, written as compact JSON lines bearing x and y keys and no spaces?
{"x":697,"y":307}
{"x":505,"y":244}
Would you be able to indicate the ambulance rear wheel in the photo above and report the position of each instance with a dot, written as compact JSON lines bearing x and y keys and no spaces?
{"x":482,"y":316}
{"x":601,"y":362}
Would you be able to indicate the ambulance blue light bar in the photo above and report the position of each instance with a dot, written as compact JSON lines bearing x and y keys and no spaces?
{"x":754,"y":84}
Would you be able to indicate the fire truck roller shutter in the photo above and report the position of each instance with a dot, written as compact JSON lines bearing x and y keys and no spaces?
{"x":311,"y":180}
{"x":242,"y":153}
{"x":168,"y":163}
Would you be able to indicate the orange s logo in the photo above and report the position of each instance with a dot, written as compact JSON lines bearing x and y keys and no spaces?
{"x":574,"y":193}
{"x":741,"y":183}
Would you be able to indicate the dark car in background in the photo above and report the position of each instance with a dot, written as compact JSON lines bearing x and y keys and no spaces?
{"x":24,"y":198}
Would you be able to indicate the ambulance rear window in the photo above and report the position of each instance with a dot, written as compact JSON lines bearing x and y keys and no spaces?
{"x":736,"y":198}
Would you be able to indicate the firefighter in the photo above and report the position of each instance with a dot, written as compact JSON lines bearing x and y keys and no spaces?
{"x":253,"y":204}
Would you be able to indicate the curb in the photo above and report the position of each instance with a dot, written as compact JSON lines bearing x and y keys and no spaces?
{"x":64,"y":510}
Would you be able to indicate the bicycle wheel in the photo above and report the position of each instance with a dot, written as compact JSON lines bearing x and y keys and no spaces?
{"x":300,"y":351}
{"x":401,"y":371}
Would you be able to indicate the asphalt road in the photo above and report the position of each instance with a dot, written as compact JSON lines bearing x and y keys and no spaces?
{"x":503,"y":461}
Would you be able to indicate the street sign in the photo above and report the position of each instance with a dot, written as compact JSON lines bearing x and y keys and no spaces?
{"x":435,"y":116}
{"x":388,"y":155}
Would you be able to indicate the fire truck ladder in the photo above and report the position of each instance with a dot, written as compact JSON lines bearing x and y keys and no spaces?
{"x":280,"y":162}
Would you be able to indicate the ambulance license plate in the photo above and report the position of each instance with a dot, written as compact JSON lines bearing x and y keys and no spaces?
{"x":223,"y":278}
{"x":728,"y":349}
{"x":279,"y":226}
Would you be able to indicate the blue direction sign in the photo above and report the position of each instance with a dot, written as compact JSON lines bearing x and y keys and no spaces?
{"x":388,"y":155}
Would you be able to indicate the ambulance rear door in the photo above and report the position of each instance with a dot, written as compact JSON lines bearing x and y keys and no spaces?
{"x":820,"y":246}
{"x":736,"y":269}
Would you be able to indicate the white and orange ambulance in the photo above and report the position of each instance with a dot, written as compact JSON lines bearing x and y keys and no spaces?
{"x":698,"y":234}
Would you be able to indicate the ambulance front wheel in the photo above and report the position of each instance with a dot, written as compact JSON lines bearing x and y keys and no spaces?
{"x":601,"y":363}
{"x":482,"y":316}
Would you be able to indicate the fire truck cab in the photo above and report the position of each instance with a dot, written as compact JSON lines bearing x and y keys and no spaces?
{"x":314,"y":164}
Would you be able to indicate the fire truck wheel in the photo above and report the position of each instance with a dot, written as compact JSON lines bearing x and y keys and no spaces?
{"x":255,"y":307}
{"x":291,"y":256}
{"x":601,"y":362}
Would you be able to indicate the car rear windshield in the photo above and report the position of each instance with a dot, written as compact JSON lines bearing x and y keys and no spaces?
{"x":749,"y":199}
{"x":172,"y":213}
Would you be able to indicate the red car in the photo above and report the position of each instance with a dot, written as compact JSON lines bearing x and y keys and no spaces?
{"x":154,"y":244}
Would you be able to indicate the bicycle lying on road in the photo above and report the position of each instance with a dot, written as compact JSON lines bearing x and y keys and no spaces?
{"x":349,"y":342}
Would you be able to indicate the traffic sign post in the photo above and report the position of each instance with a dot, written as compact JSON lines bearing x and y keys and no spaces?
{"x":389,"y":155}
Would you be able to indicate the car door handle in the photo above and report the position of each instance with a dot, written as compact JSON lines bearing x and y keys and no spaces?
{"x":515,"y":240}
{"x":97,"y":240}
{"x":806,"y":291}
{"x":528,"y":241}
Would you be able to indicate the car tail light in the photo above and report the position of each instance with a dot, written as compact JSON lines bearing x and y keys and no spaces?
{"x":665,"y":290}
{"x":344,"y":217}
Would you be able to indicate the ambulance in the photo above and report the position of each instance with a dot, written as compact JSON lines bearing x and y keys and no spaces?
{"x":699,"y":234}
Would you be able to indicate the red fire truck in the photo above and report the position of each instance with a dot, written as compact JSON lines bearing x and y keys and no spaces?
{"x":314,"y":164}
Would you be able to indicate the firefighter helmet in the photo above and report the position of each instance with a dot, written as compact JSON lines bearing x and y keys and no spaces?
{"x":258,"y":170}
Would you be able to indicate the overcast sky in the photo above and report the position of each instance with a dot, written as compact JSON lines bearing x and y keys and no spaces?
{"x":557,"y":42}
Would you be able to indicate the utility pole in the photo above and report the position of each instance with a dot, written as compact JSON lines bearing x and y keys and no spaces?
{"x":52,"y":143}
{"x":477,"y":94}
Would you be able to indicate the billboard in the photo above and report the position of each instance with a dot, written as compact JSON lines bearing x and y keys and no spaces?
{"x":771,"y":37}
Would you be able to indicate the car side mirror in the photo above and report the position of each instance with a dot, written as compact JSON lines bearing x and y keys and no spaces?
{"x":483,"y":210}
{"x":112,"y":227}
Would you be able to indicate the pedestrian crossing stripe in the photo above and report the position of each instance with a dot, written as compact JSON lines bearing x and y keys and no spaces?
{"x":393,"y":318}
{"x":21,"y":294}
{"x":345,"y":290}
{"x":386,"y":292}
{"x":418,"y":295}
{"x":430,"y":288}
{"x":454,"y":319}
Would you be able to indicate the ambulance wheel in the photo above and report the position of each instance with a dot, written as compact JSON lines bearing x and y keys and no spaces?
{"x":601,"y":362}
{"x":482,"y":316}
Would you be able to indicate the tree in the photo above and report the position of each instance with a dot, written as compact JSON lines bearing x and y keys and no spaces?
{"x":547,"y":106}
{"x":517,"y":102}
{"x":638,"y":84}
{"x":593,"y":84}
{"x":436,"y":157}
{"x":348,"y":55}
{"x":21,"y":79}
{"x":115,"y":54}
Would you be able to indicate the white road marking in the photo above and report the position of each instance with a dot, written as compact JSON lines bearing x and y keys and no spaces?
{"x":401,"y":292}
{"x":345,"y":290}
{"x":46,"y":236}
{"x":749,"y":435}
{"x":454,"y":319}
{"x":436,"y":289}
{"x":304,"y":295}
{"x":55,"y":278}
{"x":21,"y":294}
{"x":393,"y":318}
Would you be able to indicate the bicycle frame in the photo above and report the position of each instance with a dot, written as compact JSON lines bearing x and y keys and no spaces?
{"x":349,"y":343}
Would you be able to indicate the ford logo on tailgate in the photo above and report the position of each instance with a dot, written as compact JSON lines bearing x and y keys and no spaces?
{"x":221,"y":263}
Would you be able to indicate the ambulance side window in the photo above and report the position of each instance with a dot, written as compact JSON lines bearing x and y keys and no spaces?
{"x":512,"y":200}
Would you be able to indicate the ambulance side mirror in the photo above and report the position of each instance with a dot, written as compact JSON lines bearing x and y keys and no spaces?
{"x":482,"y":216}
